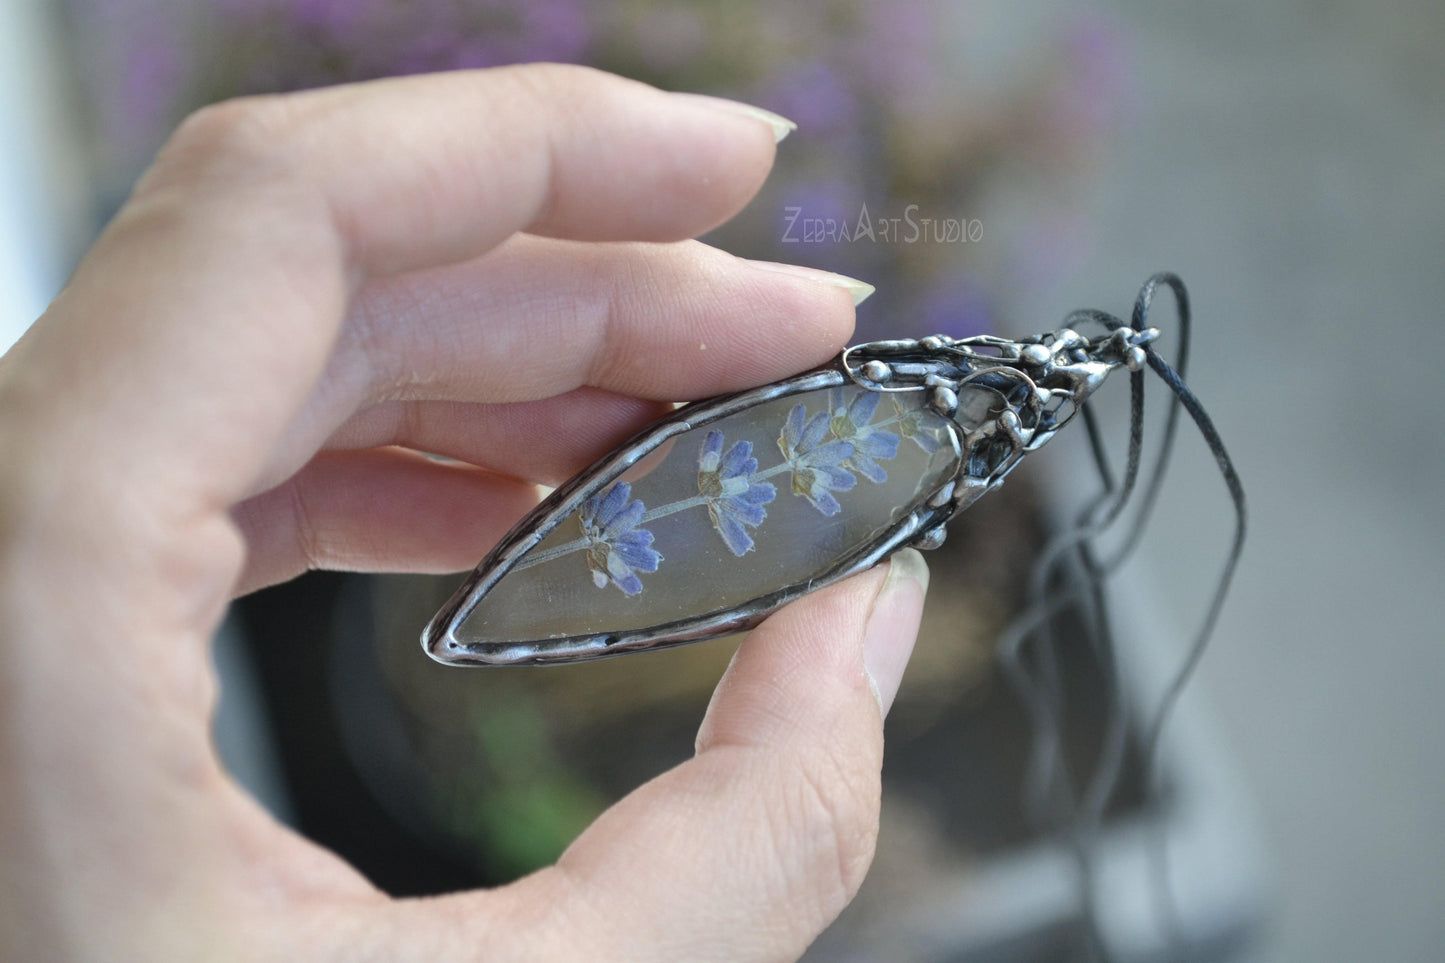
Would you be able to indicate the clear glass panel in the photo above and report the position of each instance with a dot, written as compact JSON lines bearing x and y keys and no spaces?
{"x":725,"y":513}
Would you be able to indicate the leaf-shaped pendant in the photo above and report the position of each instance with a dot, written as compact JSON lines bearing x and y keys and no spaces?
{"x":713,"y":517}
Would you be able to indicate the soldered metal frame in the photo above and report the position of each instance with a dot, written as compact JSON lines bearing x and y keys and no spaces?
{"x":1038,"y":385}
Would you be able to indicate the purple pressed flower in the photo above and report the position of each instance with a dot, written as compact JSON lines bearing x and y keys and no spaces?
{"x":871,"y":445}
{"x":734,"y":499}
{"x":616,"y":548}
{"x":909,"y":426}
{"x":817,"y":467}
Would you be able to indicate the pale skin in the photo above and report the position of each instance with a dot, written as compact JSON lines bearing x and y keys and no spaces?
{"x":301,"y":294}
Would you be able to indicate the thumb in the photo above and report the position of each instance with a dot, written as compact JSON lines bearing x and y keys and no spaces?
{"x":749,"y":849}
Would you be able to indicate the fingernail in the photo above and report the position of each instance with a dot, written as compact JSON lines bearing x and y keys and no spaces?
{"x":780,"y":125}
{"x":857,"y":290}
{"x":893,"y":625}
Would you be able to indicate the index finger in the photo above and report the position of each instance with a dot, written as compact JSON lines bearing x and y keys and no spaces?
{"x":433,"y":169}
{"x":225,"y":279}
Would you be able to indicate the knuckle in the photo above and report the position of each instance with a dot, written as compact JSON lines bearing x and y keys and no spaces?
{"x":306,"y":538}
{"x":552,"y":80}
{"x":240,"y":136}
{"x":832,"y":818}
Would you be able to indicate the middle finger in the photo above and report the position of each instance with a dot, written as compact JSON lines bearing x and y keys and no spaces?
{"x":540,"y":317}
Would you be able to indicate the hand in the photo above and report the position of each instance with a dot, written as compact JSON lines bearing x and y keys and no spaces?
{"x":301,"y":294}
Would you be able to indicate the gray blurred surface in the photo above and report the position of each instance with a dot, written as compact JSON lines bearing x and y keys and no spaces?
{"x":1289,"y":161}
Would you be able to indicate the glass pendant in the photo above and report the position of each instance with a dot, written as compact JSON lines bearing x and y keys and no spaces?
{"x":718,"y":514}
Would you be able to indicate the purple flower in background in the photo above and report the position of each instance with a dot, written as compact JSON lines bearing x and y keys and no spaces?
{"x":874,"y":85}
{"x":325,"y":41}
{"x":1052,"y":248}
{"x":669,"y":37}
{"x":617,"y":549}
{"x":1100,"y":68}
{"x":956,"y":305}
{"x":817,"y":467}
{"x":134,"y":58}
{"x":147,"y":91}
{"x":823,"y":198}
{"x":556,"y":30}
{"x":896,"y":47}
{"x":814,"y":95}
{"x":814,"y":220}
{"x":332,"y":16}
{"x":734,"y":499}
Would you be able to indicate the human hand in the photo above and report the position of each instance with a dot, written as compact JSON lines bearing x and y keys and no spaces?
{"x":302,"y":294}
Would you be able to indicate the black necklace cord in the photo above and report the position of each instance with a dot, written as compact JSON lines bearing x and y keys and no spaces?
{"x":1241,"y":515}
{"x":1048,"y":786}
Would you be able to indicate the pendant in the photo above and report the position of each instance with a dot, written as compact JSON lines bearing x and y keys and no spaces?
{"x":710,"y":519}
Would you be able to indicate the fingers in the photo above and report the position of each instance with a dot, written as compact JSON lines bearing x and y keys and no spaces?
{"x":540,"y":441}
{"x":537,"y":317}
{"x":534,"y":318}
{"x":170,"y":371}
{"x":750,"y":849}
{"x":540,"y":317}
{"x":432,"y":169}
{"x":224,"y":281}
{"x":383,"y":509}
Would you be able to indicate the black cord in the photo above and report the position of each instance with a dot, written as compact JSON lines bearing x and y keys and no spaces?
{"x":1049,"y":792}
{"x":1154,"y":735}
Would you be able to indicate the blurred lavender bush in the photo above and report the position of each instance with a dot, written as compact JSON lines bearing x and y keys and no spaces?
{"x":921,"y":113}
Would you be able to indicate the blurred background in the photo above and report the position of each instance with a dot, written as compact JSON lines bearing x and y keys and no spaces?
{"x":1288,"y":159}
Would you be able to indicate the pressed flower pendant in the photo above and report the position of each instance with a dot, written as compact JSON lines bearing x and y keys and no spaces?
{"x":718,"y":514}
